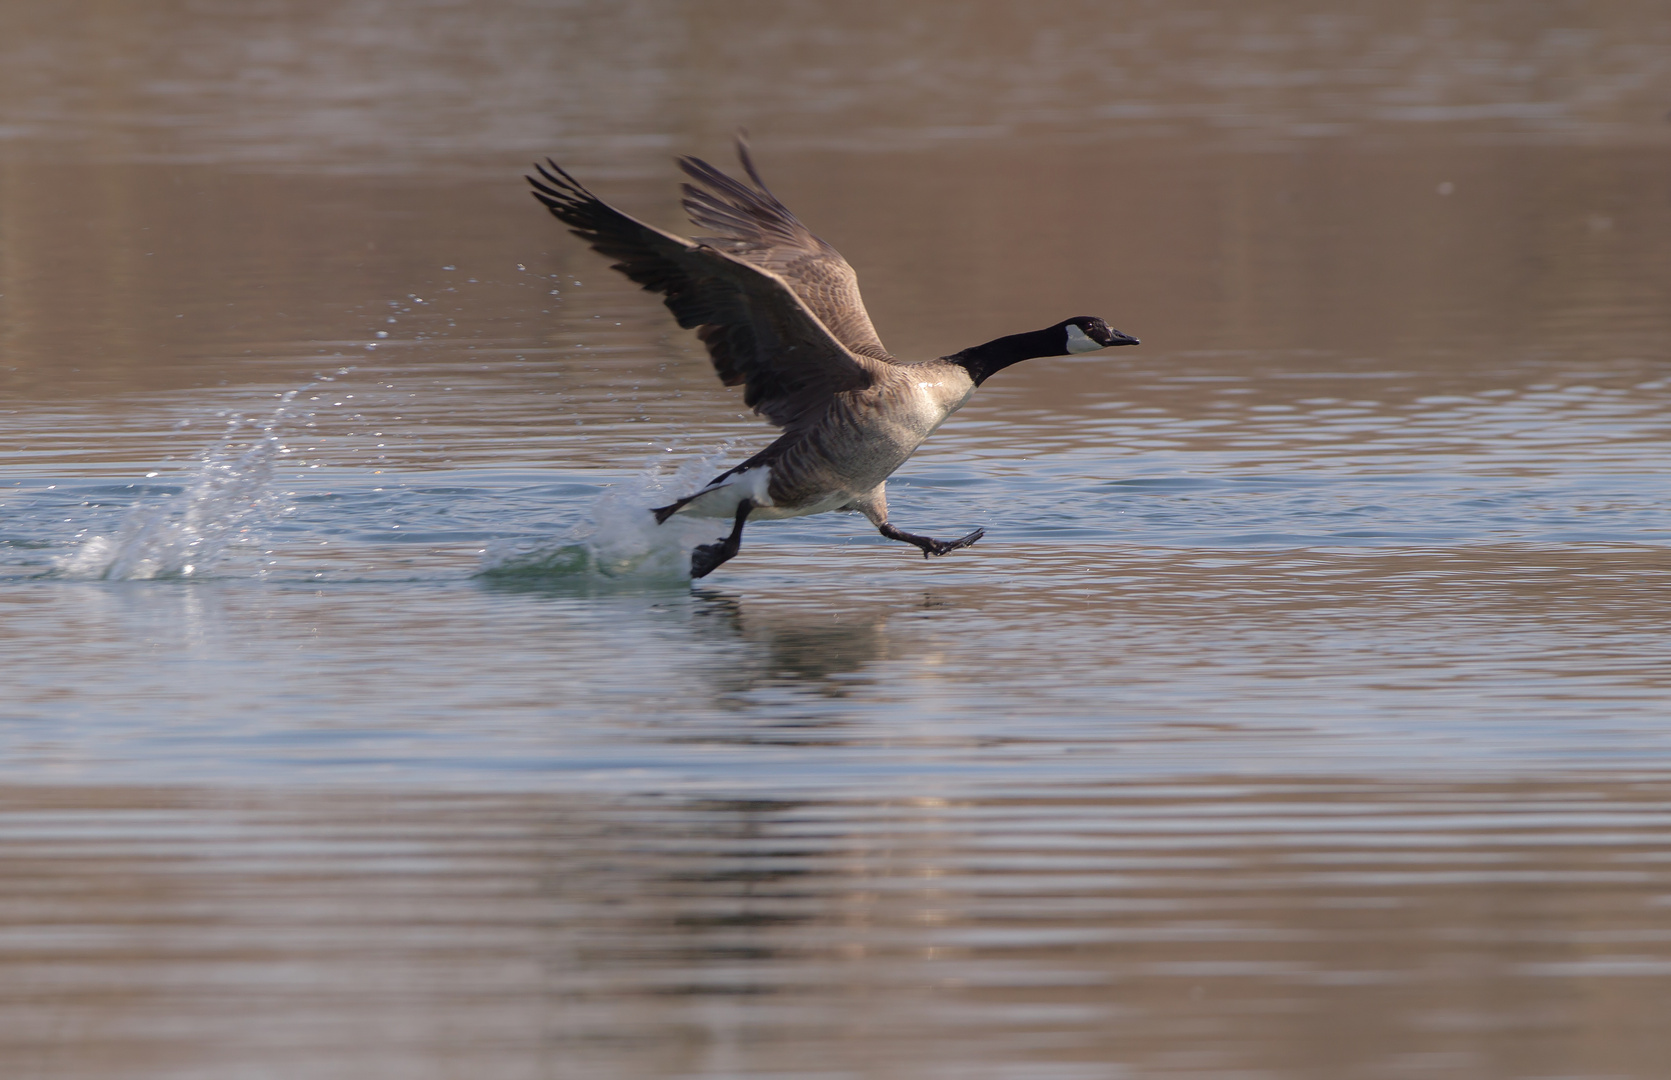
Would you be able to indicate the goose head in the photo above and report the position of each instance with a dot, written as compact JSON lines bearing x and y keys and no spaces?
{"x":1087,"y":333}
{"x":1080,"y":334}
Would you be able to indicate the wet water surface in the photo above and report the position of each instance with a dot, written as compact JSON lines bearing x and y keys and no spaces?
{"x":1304,"y":711}
{"x":1209,"y":927}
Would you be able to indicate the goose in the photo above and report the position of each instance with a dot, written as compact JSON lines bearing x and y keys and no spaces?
{"x":780,"y":313}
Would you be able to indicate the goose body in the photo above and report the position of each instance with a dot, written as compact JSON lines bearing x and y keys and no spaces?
{"x":780,"y":313}
{"x":845,"y":460}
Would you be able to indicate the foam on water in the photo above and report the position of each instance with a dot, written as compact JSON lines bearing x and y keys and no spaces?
{"x":228,"y":500}
{"x":620,"y":540}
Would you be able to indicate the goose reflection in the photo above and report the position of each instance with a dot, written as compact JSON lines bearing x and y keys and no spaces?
{"x":825,"y":649}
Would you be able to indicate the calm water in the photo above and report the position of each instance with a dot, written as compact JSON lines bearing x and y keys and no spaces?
{"x":1306,"y":711}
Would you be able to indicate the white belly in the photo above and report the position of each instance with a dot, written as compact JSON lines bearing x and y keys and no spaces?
{"x":720,"y":501}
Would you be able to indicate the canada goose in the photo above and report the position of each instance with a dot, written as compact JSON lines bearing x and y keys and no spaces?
{"x":780,"y":313}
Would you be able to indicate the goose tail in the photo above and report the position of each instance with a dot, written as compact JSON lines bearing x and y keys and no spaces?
{"x":664,"y":512}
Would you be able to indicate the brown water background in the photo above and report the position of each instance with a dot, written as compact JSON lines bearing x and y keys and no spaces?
{"x":1304,"y":713}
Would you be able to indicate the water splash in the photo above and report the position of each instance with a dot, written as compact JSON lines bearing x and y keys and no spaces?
{"x":619,"y":541}
{"x":228,"y":500}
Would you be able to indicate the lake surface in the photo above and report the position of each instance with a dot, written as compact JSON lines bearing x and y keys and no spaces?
{"x":1305,"y":712}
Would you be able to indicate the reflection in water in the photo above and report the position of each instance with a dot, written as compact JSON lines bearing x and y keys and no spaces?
{"x":1090,"y":660}
{"x":1220,"y":927}
{"x":801,"y":648}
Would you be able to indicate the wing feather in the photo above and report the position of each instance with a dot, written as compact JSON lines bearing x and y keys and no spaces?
{"x":750,"y":223}
{"x":759,"y":332}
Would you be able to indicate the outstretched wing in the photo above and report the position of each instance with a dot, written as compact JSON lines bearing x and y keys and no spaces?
{"x":758,"y":331}
{"x":751,"y":224}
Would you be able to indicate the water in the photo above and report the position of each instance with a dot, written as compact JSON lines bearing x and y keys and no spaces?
{"x":1302,"y":713}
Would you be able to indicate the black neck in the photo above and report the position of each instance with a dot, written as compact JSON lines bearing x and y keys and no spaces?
{"x":982,"y":361}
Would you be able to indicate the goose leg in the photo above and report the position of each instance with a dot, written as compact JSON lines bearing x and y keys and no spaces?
{"x":706,"y":558}
{"x":928,"y":544}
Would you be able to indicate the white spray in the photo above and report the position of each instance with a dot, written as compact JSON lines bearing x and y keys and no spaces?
{"x":620,"y":540}
{"x":228,"y":500}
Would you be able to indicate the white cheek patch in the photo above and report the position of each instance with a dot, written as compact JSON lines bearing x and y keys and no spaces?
{"x":1079,"y":341}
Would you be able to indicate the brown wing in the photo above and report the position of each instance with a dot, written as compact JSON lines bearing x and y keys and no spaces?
{"x":758,"y":332}
{"x":751,"y":224}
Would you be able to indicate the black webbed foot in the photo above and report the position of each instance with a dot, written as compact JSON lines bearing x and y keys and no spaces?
{"x":930,"y":546}
{"x":706,"y":558}
{"x":953,"y":545}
